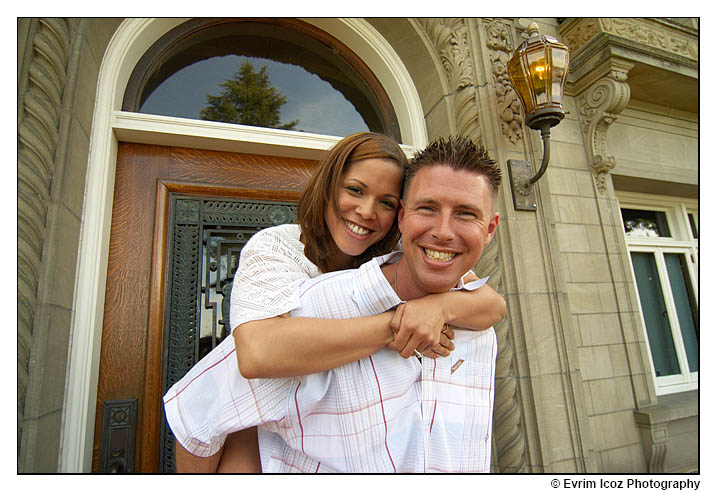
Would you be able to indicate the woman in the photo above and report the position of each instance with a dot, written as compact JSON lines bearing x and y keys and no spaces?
{"x":346,"y":216}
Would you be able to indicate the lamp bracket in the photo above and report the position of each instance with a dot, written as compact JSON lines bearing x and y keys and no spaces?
{"x":520,"y":173}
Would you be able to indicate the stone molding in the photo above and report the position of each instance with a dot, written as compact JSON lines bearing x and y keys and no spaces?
{"x":647,"y":32}
{"x":500,"y":45}
{"x":450,"y":37}
{"x":38,"y":138}
{"x":599,"y":106}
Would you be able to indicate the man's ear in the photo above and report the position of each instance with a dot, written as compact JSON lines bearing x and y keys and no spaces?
{"x":492,"y":228}
{"x":400,"y":215}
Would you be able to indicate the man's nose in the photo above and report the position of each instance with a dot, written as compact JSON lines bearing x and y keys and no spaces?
{"x":443,"y":229}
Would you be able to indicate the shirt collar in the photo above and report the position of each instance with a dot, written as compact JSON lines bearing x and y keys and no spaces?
{"x":374,"y":292}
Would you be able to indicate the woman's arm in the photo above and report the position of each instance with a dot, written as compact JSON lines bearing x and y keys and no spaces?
{"x":418,"y":323}
{"x":287,"y":347}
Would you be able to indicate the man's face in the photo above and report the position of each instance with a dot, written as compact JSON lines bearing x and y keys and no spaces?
{"x":446,"y":220}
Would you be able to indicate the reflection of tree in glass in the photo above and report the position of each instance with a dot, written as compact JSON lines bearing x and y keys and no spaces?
{"x":247,"y":98}
{"x":642,"y":227}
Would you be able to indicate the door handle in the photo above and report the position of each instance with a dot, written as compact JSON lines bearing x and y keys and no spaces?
{"x":119,"y":427}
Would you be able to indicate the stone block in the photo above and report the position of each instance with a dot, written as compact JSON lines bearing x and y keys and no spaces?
{"x":607,"y":296}
{"x":583,"y":297}
{"x":530,"y":257}
{"x":540,"y":333}
{"x":611,"y":394}
{"x":568,"y":131}
{"x":552,"y":414}
{"x":619,"y":360}
{"x":566,"y":155}
{"x":562,"y":181}
{"x":588,"y":267}
{"x":573,"y":238}
{"x":584,"y":181}
{"x":600,"y":329}
{"x":624,"y":460}
{"x":614,"y":430}
{"x":595,"y":362}
{"x":589,"y":210}
{"x":47,"y":374}
{"x":73,"y":186}
{"x":569,"y":211}
{"x":596,"y":240}
{"x":63,"y":257}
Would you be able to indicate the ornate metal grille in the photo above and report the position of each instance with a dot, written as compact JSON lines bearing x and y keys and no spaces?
{"x":206,"y":238}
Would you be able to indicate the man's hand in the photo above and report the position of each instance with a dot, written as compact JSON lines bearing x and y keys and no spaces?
{"x":418,"y":325}
{"x":445,"y":345}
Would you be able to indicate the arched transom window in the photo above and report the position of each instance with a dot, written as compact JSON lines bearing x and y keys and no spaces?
{"x":274,"y":73}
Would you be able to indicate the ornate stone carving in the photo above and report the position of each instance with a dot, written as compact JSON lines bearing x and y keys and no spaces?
{"x":38,"y":136}
{"x":598,"y":107}
{"x":508,"y":434}
{"x":451,"y":40}
{"x":654,"y":438}
{"x":580,"y":34}
{"x":651,"y":35}
{"x":498,"y":40}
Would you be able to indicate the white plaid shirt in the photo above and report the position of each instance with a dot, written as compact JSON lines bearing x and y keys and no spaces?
{"x":382,"y":413}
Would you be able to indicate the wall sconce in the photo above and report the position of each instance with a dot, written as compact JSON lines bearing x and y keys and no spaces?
{"x":538,"y":72}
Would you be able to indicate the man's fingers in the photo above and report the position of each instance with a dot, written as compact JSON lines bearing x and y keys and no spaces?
{"x":411,"y":345}
{"x":448,"y":331}
{"x":396,"y":320}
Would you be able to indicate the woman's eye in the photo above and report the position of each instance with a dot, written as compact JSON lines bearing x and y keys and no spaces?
{"x":389,"y":204}
{"x":354,"y":190}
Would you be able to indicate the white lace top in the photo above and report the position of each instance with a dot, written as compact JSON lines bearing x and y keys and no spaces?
{"x":271,"y":267}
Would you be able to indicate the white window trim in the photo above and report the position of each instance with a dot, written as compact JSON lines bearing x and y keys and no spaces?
{"x":130,"y":41}
{"x":681,"y":242}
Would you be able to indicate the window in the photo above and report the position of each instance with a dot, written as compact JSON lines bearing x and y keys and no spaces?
{"x":272,"y":73}
{"x":662,"y":238}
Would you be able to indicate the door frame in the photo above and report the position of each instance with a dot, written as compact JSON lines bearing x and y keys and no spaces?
{"x":132,"y":38}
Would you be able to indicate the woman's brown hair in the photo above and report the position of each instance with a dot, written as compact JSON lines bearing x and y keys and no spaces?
{"x":320,"y":192}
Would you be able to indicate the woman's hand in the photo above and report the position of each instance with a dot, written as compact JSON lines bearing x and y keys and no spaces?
{"x":418,"y":325}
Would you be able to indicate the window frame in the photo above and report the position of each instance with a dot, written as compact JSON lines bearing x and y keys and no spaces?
{"x":681,"y":242}
{"x":155,"y":56}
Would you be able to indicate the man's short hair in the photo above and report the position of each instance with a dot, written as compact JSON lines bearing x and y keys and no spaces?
{"x":459,"y":153}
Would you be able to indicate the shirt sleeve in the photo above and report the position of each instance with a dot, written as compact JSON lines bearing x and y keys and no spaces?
{"x":271,"y":268}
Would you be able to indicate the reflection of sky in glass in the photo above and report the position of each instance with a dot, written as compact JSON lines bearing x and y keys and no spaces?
{"x":315,"y":103}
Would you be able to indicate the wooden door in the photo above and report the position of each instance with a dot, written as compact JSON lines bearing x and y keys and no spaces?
{"x":153,"y":186}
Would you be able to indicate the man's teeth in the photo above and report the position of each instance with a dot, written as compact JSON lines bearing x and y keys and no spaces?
{"x":357,"y":229}
{"x":442,"y":256}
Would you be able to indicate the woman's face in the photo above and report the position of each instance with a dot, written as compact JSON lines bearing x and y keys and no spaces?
{"x":368,"y":199}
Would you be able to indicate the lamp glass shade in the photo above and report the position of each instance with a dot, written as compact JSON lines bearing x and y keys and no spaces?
{"x":538,"y":71}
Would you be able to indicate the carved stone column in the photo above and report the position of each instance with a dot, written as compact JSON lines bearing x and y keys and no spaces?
{"x":40,"y":94}
{"x":450,"y":38}
{"x":599,"y":105}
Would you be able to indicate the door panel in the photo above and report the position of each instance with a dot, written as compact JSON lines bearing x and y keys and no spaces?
{"x":149,"y":179}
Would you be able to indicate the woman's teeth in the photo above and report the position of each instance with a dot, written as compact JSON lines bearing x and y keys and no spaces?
{"x":357,"y":229}
{"x":441,"y":256}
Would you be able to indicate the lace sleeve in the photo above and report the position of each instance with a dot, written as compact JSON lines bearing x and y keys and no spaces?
{"x":271,"y":268}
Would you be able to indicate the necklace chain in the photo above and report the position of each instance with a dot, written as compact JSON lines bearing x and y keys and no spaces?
{"x":396,"y":287}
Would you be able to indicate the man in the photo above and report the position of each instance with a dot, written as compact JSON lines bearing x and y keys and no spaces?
{"x":384,"y":413}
